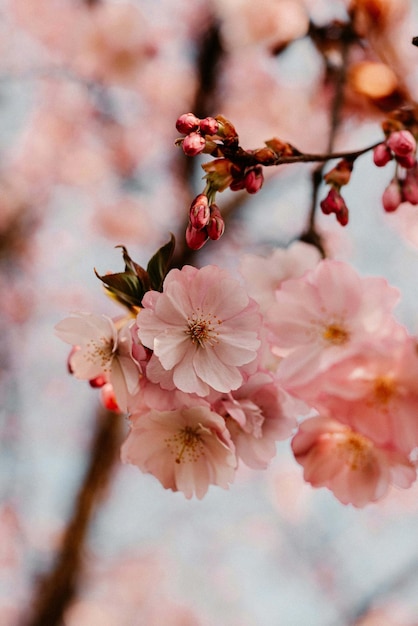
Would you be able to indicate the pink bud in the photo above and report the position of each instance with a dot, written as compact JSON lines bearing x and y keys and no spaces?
{"x":193,"y":144}
{"x":392,"y":197}
{"x":381,"y":155}
{"x":409,"y":188}
{"x":237,"y":184}
{"x":199,"y":213}
{"x":253,"y":179}
{"x":99,"y":381}
{"x":108,"y":398}
{"x":409,"y":161}
{"x":196,"y":239}
{"x":342,"y":215}
{"x":209,"y":126}
{"x":402,"y":143}
{"x":333,"y":203}
{"x":187,"y":123}
{"x":216,"y":226}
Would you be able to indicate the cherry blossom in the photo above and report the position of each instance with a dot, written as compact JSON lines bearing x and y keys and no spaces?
{"x":348,"y":463}
{"x":256,"y":418}
{"x":203,"y":328}
{"x":186,"y":449}
{"x":102,"y":350}
{"x":264,"y":275}
{"x":320,"y":318}
{"x":373,"y":391}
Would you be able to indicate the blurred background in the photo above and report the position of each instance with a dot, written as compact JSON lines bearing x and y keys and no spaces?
{"x":89,"y":95}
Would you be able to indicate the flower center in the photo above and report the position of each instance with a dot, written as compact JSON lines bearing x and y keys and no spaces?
{"x":100,"y":352}
{"x":201,"y":328}
{"x":186,"y":444}
{"x":336,"y":334}
{"x":355,"y":450}
{"x":384,"y":389}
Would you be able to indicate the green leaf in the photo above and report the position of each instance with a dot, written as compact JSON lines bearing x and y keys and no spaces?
{"x":125,"y":287}
{"x":159,"y":264}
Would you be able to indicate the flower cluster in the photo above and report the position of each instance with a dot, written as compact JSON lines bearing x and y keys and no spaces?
{"x":345,"y":355}
{"x":212,"y":371}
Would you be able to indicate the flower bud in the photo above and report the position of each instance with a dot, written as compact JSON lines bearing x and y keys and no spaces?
{"x":382,"y":155}
{"x":193,"y":144}
{"x":196,"y":239}
{"x":392,"y":196}
{"x":280,"y":148}
{"x":342,"y":215}
{"x":199,"y":213}
{"x":409,"y":161}
{"x":209,"y":126}
{"x":216,"y":226}
{"x":99,"y":381}
{"x":253,"y":179}
{"x":187,"y":123}
{"x":237,"y":184}
{"x":402,"y":143}
{"x":108,"y":398}
{"x":333,"y":203}
{"x":409,"y":188}
{"x":265,"y":156}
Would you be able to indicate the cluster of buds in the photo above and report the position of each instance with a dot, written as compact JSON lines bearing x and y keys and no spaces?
{"x":401,"y":146}
{"x":334,"y":202}
{"x":205,"y":222}
{"x":203,"y":135}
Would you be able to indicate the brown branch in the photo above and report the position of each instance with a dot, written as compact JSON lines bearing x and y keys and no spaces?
{"x":57,"y":589}
{"x":311,"y":234}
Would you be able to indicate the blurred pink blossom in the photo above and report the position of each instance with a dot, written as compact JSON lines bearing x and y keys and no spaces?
{"x":347,"y":463}
{"x":264,"y":275}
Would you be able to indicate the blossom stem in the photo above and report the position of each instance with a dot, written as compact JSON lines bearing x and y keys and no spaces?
{"x":59,"y":586}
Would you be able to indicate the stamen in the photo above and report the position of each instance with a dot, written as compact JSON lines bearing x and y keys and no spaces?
{"x":201,"y":328}
{"x":100,"y":351}
{"x":384,"y":389}
{"x":186,"y":444}
{"x":356,"y":451}
{"x":336,"y":334}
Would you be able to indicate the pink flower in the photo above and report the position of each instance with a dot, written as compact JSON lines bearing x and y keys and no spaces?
{"x":374,"y":391}
{"x":256,"y":419}
{"x":203,"y":328}
{"x":348,"y":463}
{"x":186,"y":449}
{"x":104,"y":350}
{"x":321,"y":317}
{"x":264,"y":275}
